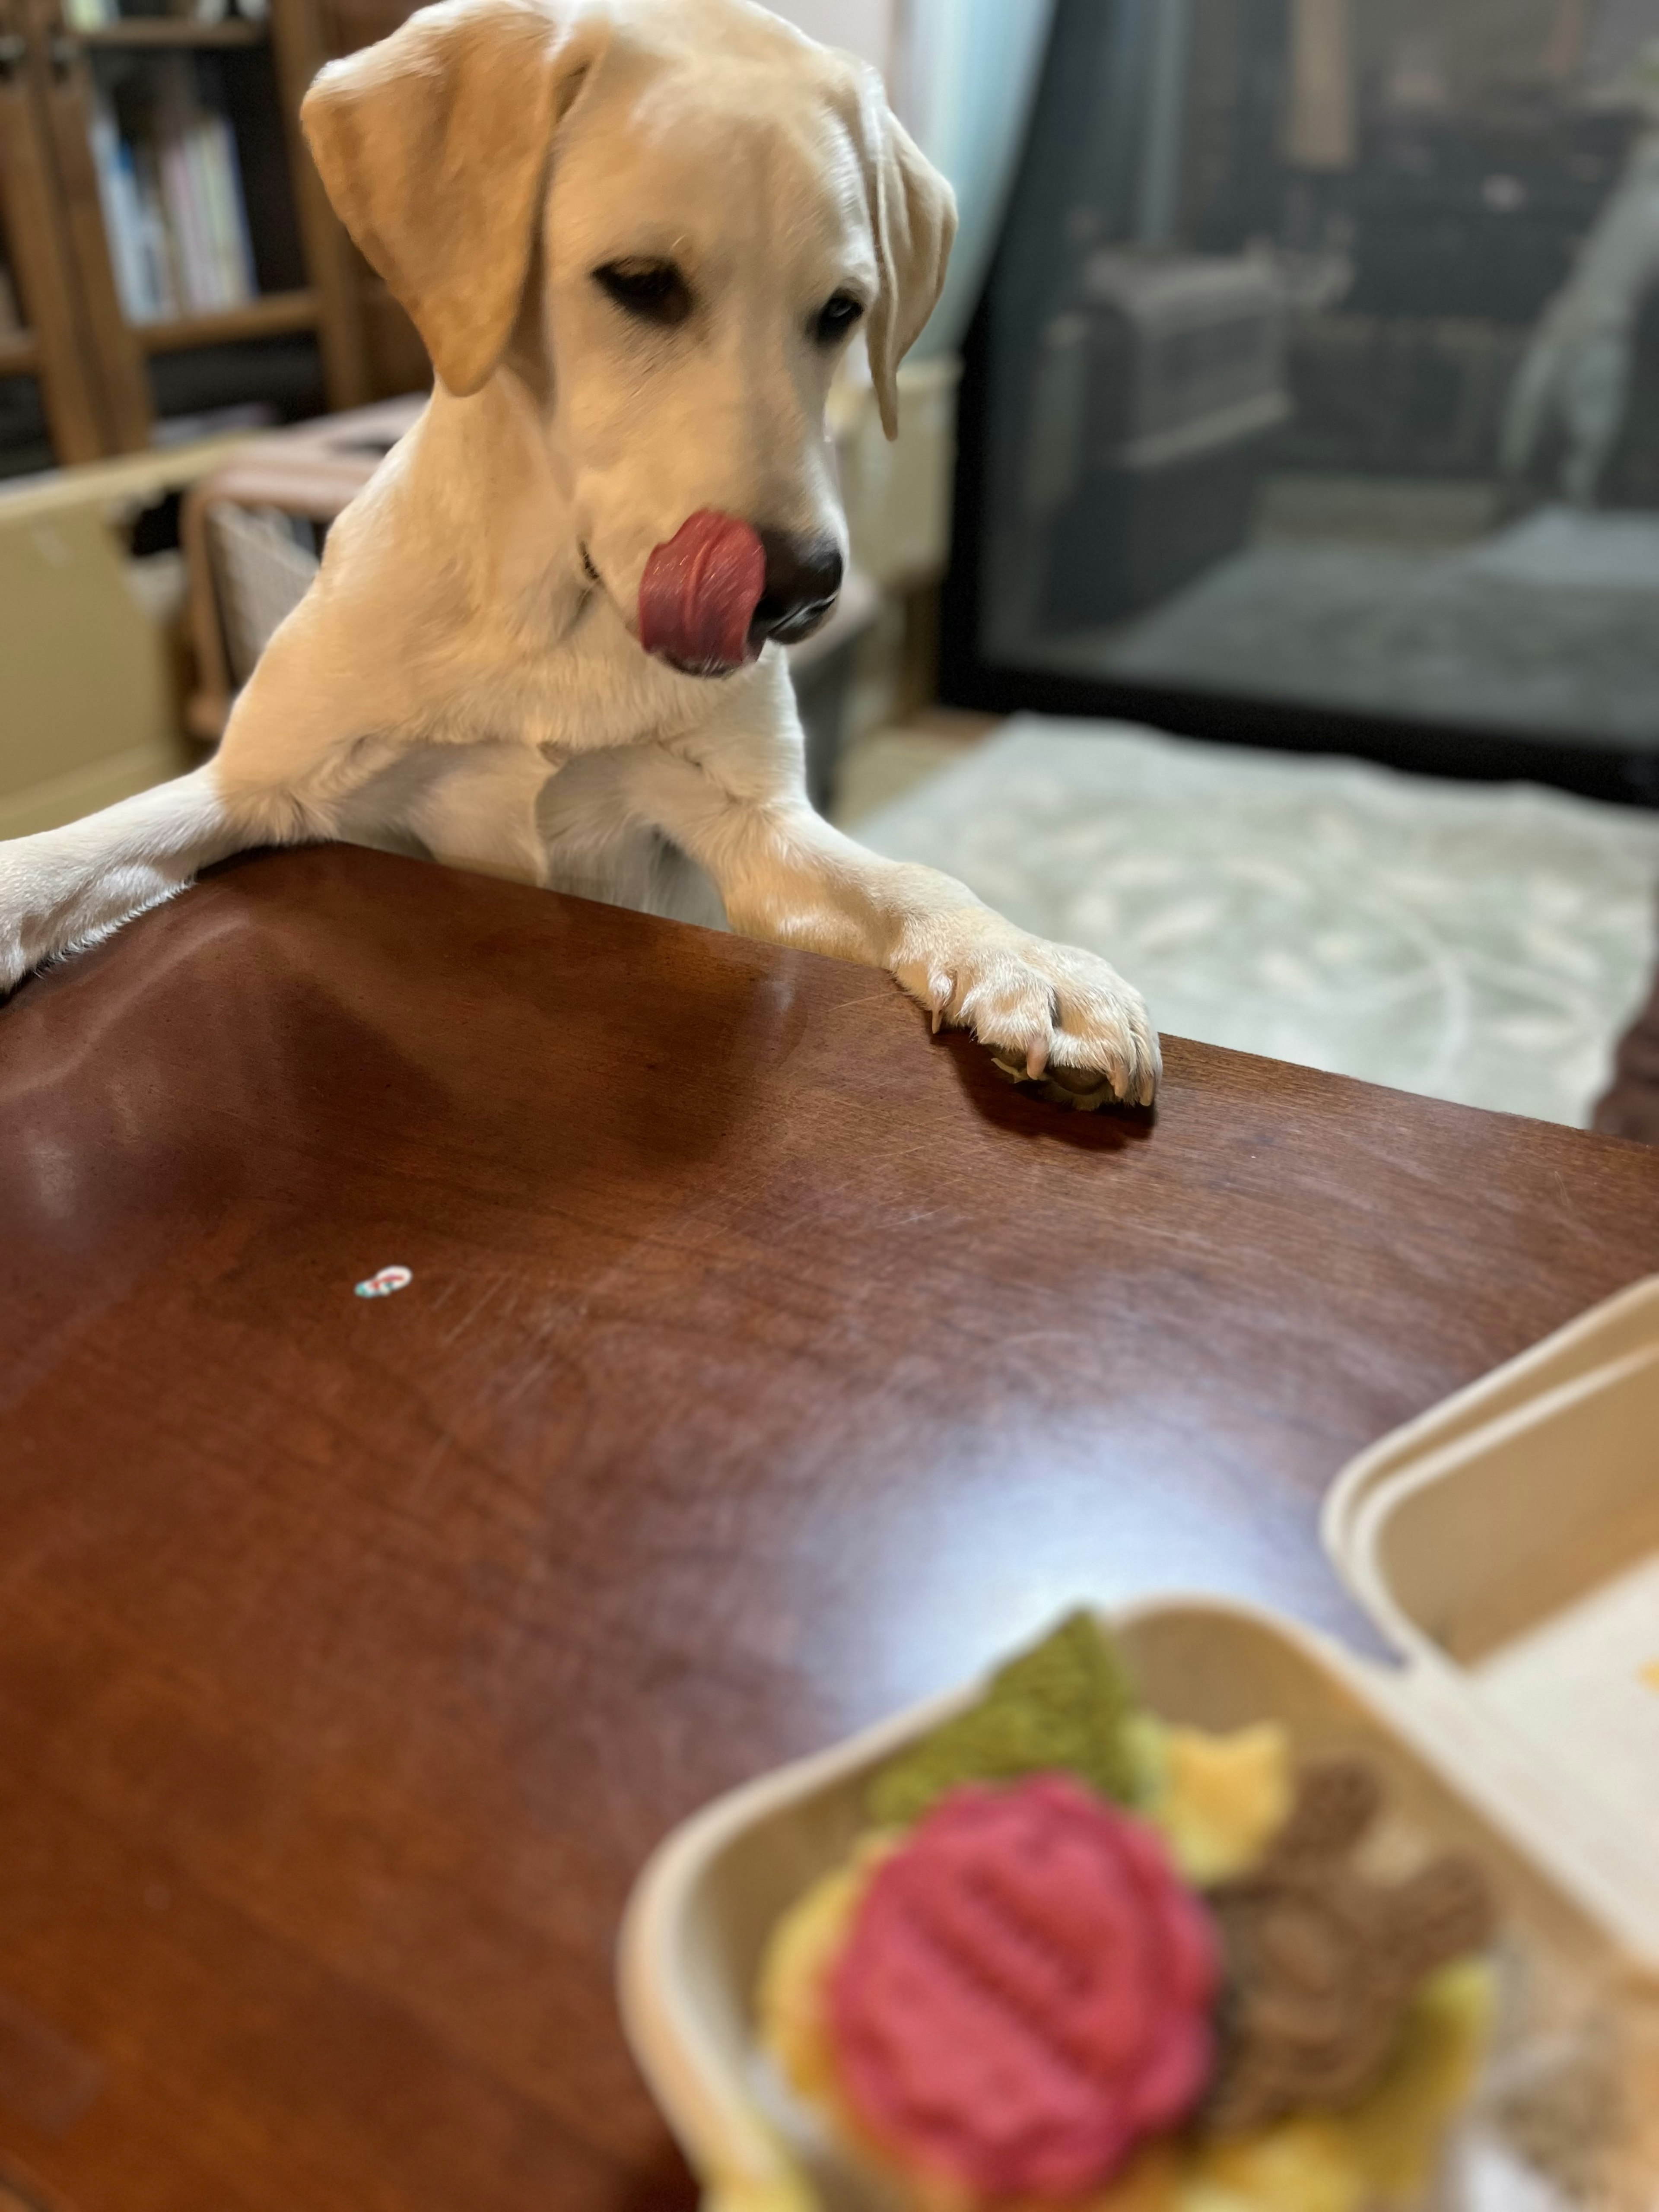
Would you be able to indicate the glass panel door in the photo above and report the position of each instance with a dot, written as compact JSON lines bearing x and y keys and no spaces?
{"x":1316,"y":395}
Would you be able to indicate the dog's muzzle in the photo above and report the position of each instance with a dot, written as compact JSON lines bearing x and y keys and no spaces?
{"x":719,"y":590}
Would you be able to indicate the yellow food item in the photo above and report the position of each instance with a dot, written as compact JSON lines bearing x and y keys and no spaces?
{"x":799,"y":1954}
{"x":1378,"y":2154}
{"x":783,"y":2193}
{"x":1152,"y":2184}
{"x":1145,"y":1746}
{"x":1382,"y":2151}
{"x":1396,"y":2131}
{"x":1220,"y":1800}
{"x":1304,"y":2165}
{"x":789,"y":2000}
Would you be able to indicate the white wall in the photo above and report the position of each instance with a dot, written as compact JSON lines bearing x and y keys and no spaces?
{"x":962,"y":74}
{"x":863,"y":27}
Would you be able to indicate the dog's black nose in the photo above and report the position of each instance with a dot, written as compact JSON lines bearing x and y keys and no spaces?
{"x":803,"y":576}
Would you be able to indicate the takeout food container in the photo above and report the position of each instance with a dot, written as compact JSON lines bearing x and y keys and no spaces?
{"x":1508,"y":1545}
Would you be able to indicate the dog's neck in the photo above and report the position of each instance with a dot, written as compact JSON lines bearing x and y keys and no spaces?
{"x":505,"y":513}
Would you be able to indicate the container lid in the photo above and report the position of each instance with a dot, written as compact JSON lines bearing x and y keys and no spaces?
{"x":1507,"y":1544}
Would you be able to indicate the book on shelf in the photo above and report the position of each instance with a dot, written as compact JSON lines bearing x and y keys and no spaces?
{"x":171,"y":187}
{"x":125,"y":216}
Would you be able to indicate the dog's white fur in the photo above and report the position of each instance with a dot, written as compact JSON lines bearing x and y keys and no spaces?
{"x":457,"y":680}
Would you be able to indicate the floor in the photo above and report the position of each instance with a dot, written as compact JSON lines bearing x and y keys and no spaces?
{"x":1482,"y":943}
{"x":886,"y":764}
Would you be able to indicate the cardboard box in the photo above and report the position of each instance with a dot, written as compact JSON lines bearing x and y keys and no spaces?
{"x":90,"y":693}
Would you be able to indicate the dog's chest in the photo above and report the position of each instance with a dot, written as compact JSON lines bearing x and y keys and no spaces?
{"x":589,"y":690}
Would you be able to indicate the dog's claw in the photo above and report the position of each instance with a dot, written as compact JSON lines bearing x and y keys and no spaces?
{"x":1051,"y":1016}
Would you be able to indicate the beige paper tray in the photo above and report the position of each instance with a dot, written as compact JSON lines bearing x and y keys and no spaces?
{"x":702,"y":1908}
{"x":1619,"y":1324}
{"x":1513,"y":1557}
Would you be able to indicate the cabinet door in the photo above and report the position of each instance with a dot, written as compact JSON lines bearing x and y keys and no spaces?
{"x":297,"y":38}
{"x":396,"y":357}
{"x":60,"y":66}
{"x":51,"y":342}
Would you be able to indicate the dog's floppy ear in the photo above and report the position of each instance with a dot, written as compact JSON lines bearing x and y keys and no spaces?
{"x":434,"y":147}
{"x":913,"y":214}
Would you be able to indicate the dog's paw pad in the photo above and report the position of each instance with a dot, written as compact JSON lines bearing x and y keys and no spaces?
{"x":1084,"y":1091}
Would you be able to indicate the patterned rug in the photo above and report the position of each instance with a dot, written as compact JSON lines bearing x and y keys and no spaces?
{"x":1482,"y":943}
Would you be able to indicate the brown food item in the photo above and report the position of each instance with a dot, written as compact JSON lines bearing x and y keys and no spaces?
{"x":1322,"y":1962}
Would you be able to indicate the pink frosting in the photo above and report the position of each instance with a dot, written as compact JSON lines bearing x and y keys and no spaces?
{"x":1024,"y":1995}
{"x":699,"y":592}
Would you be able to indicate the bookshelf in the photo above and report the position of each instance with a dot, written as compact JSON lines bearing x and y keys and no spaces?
{"x":167,"y":255}
{"x":271,"y":313}
{"x":135,"y":33}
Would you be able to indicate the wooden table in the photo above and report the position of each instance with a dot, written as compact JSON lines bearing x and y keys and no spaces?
{"x":766,"y":1363}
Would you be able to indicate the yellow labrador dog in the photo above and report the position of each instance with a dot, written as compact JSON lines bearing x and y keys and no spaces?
{"x":636,"y":237}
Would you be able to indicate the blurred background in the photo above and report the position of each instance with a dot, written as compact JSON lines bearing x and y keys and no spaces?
{"x":1264,"y":588}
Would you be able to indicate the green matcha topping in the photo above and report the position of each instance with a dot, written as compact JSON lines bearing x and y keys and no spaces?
{"x":1067,"y":1703}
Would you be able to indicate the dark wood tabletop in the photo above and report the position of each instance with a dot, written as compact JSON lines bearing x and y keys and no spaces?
{"x":766,"y":1363}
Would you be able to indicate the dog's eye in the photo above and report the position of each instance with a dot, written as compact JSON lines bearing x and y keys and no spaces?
{"x":652,"y":291}
{"x":835,"y":318}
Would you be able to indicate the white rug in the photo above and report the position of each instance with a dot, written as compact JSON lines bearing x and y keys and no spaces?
{"x":1478,"y":942}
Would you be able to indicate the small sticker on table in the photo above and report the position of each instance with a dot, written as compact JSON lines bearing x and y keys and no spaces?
{"x":382,"y":1283}
{"x":1650,"y":1674}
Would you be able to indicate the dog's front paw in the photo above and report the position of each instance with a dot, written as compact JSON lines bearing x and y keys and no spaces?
{"x":1050,"y":1014}
{"x":46,"y":906}
{"x":15,"y":944}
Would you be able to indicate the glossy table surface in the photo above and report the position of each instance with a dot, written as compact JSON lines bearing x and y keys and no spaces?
{"x":766,"y":1365}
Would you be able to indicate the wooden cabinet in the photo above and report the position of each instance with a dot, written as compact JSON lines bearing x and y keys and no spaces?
{"x":44,"y":346}
{"x":144,"y":286}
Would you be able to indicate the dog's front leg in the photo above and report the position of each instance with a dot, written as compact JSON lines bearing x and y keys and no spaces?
{"x":63,"y":889}
{"x":1053,"y":1013}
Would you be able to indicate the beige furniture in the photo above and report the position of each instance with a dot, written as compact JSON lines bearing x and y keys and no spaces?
{"x":245,"y":571}
{"x":90,"y":639}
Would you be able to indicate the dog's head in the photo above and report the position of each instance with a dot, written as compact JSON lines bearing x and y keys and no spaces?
{"x":665,"y":219}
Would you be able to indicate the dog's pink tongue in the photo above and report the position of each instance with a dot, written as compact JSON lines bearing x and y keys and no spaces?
{"x":699,"y":592}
